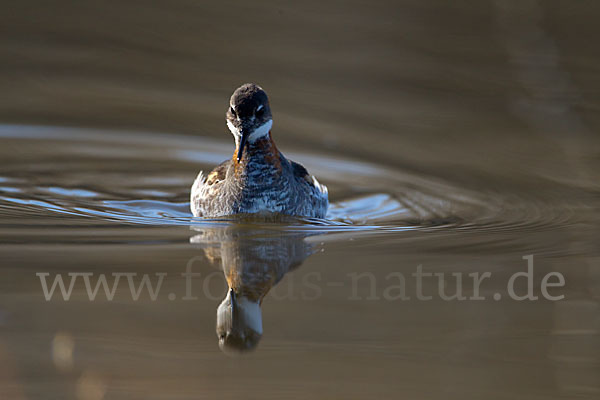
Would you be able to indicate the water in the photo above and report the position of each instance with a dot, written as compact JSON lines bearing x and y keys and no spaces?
{"x":463,"y":144}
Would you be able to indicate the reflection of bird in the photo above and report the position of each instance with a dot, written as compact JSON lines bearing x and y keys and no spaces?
{"x":253,"y":261}
{"x":258,"y":178}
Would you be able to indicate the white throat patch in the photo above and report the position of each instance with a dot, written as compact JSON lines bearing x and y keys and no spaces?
{"x":258,"y":133}
{"x":252,"y":314}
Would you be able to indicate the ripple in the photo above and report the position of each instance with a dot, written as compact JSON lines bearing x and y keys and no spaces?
{"x":144,"y":178}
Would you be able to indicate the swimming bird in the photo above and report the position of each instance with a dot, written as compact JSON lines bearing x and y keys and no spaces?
{"x":257,"y":178}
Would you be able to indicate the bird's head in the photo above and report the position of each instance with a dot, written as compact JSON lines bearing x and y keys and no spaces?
{"x":248,"y":116}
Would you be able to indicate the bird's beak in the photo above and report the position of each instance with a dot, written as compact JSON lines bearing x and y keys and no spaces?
{"x":242,"y":143}
{"x":234,"y":305}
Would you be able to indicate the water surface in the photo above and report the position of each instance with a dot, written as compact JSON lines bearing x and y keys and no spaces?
{"x":457,"y":139}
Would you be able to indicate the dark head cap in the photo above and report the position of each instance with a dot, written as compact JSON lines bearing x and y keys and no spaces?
{"x":239,"y":324}
{"x":249,"y":100}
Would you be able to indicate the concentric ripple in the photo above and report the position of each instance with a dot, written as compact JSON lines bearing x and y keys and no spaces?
{"x":144,"y":178}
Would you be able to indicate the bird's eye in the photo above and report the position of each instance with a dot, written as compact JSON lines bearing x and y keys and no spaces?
{"x":260,"y":111}
{"x":232,"y":111}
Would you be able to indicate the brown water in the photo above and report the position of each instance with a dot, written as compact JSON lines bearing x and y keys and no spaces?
{"x":456,"y":137}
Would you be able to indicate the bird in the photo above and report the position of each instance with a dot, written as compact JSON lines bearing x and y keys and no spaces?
{"x":258,"y":178}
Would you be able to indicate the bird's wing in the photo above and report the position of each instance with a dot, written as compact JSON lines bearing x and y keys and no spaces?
{"x":203,"y":183}
{"x":301,"y":173}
